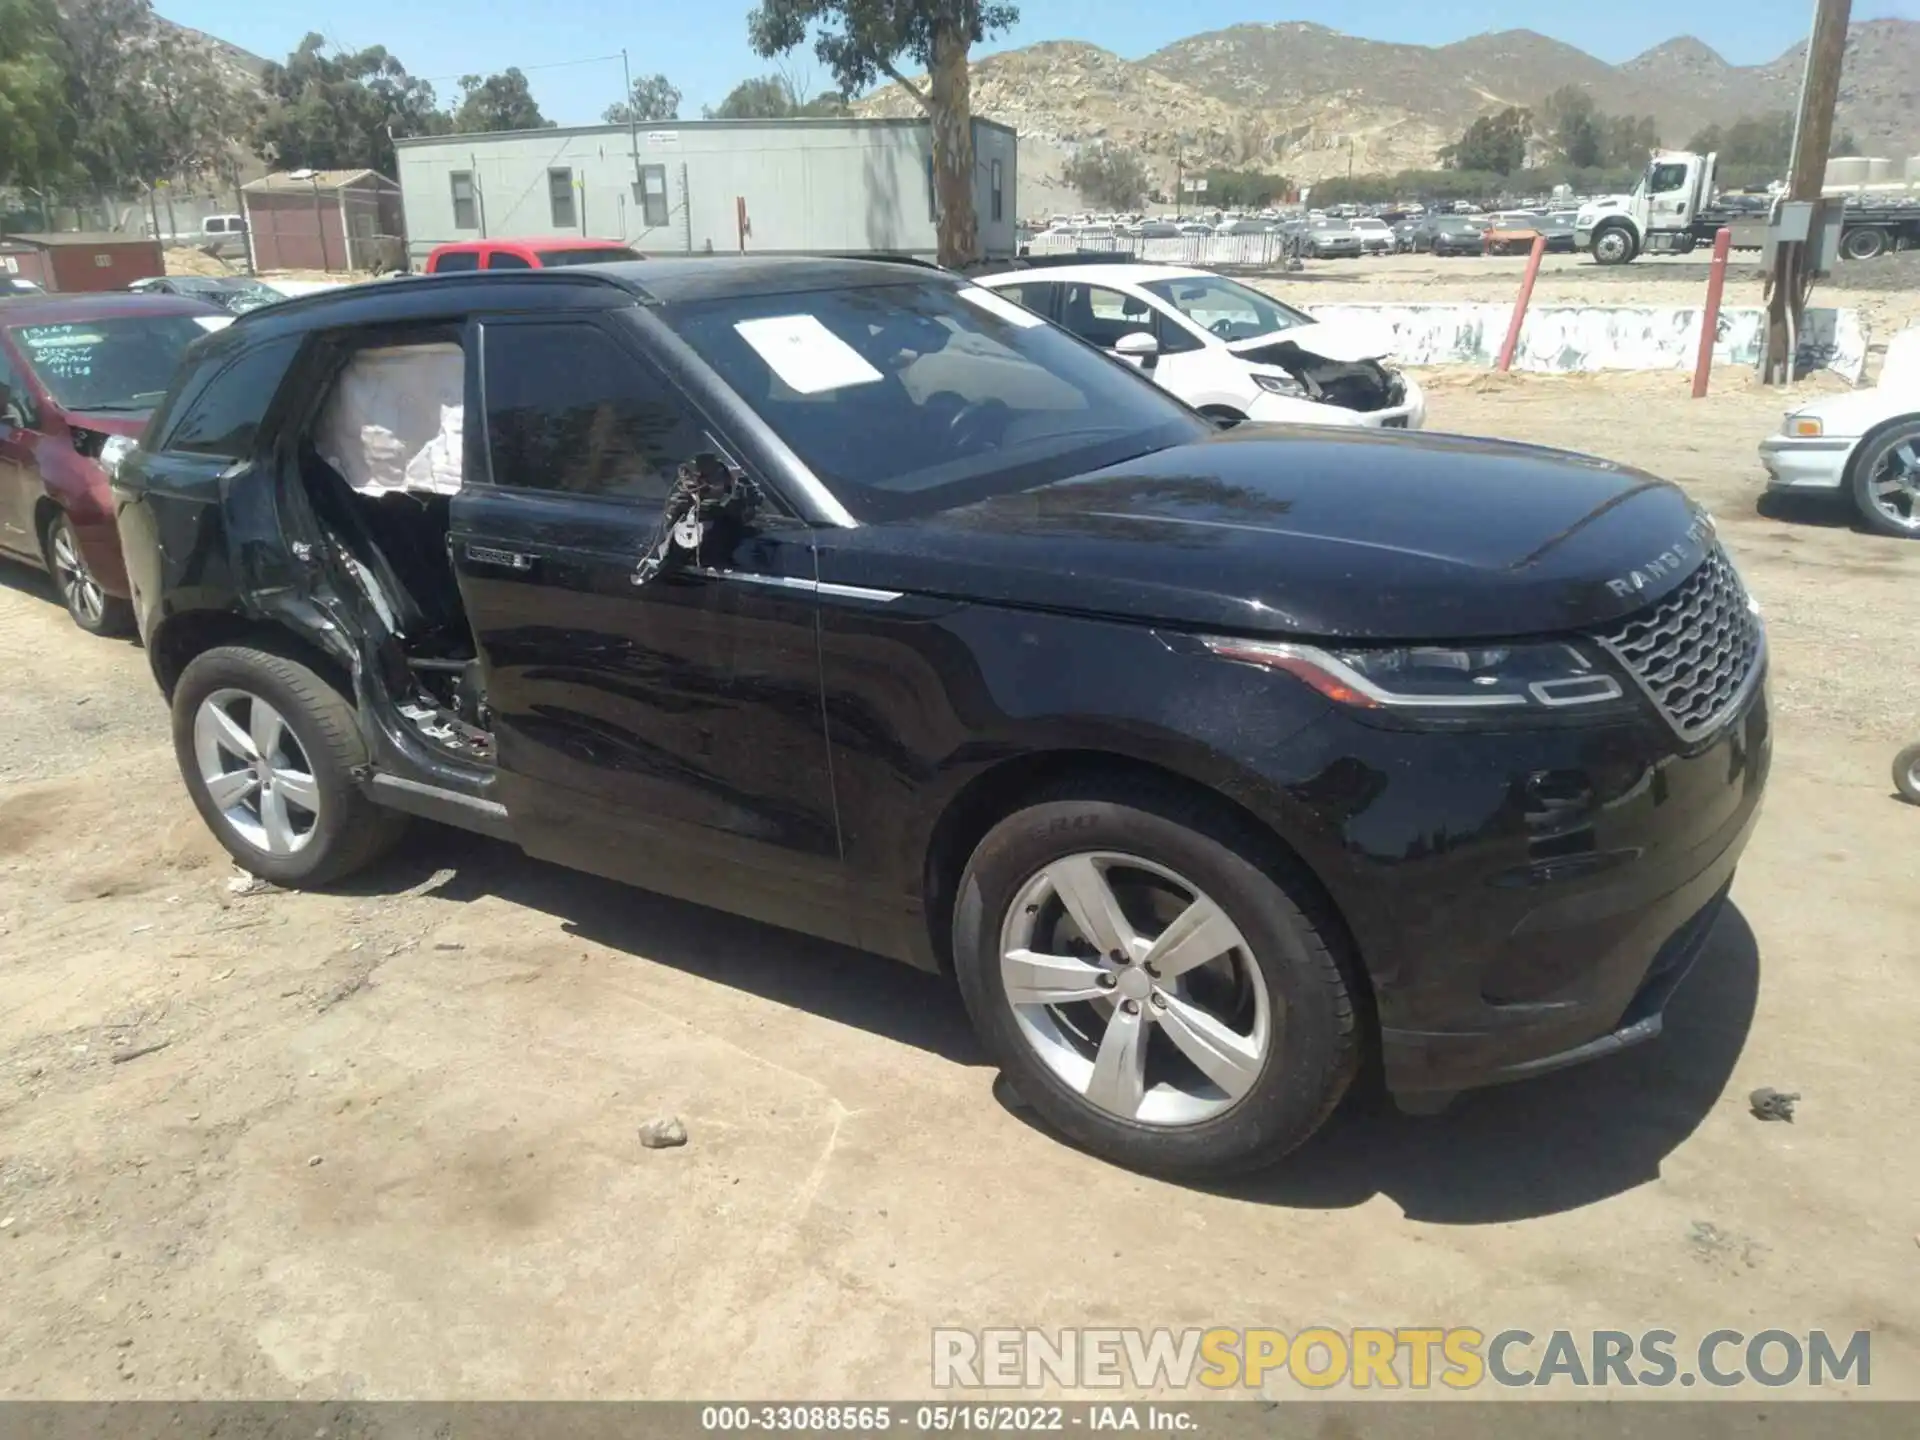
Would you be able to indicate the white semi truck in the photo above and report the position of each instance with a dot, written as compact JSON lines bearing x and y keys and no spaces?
{"x":1674,"y":210}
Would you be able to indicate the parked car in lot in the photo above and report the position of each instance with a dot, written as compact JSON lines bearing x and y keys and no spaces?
{"x":856,"y":599}
{"x":1227,"y":350}
{"x":1332,"y":240}
{"x":1860,"y":445}
{"x":236,"y":294}
{"x":1454,"y":235}
{"x":544,"y":253}
{"x":1376,"y":236}
{"x":78,"y":376}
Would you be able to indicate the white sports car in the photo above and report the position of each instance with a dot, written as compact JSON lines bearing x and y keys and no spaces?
{"x":1224,"y":348}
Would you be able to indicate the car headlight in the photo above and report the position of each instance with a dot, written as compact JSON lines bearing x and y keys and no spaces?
{"x":114,"y":451}
{"x":1538,"y":677}
{"x":1805,"y":427}
{"x":1281,"y":385}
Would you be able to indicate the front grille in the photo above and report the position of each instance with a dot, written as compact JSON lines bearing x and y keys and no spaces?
{"x":1695,"y":652}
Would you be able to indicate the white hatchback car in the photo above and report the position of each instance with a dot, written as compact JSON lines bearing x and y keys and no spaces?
{"x":1227,"y":350}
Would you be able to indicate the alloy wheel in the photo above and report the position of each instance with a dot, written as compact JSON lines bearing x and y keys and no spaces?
{"x":78,"y":589}
{"x":1136,"y":989}
{"x":1894,"y":486}
{"x":256,"y":772}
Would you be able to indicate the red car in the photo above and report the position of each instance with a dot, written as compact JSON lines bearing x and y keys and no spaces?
{"x":540,"y":254}
{"x":79,"y":375}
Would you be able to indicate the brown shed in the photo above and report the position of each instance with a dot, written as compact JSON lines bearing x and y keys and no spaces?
{"x":82,"y":260}
{"x":324,"y":220}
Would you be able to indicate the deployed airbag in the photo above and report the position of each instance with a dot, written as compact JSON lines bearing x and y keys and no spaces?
{"x":394,"y":420}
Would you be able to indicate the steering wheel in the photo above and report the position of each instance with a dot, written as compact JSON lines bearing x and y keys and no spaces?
{"x":1222,"y":328}
{"x":977,"y":424}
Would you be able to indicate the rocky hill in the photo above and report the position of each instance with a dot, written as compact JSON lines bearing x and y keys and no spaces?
{"x":1311,"y":102}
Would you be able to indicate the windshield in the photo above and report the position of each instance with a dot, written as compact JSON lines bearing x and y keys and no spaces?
{"x":551,"y":258}
{"x":119,"y":364}
{"x":1227,"y":308}
{"x":913,"y":398}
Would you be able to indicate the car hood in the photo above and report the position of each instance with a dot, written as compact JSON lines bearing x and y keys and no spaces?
{"x":1347,"y":343}
{"x":1855,"y":412}
{"x":1354,"y":534}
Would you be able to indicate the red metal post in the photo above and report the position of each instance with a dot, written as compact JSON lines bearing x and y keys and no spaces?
{"x":1520,"y":305}
{"x":1710,"y":321}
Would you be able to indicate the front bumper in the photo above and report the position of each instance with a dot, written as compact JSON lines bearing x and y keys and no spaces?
{"x":1528,"y":900}
{"x":1805,"y":463}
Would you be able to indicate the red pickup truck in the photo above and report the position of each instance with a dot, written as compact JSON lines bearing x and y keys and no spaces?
{"x":540,"y":254}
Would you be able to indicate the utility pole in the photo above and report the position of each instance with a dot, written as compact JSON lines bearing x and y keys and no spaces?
{"x":633,"y":124}
{"x":1790,"y":282}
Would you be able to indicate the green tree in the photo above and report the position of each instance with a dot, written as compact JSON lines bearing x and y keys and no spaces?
{"x":1575,"y":128}
{"x":1107,"y":176}
{"x":775,"y":97}
{"x":342,"y":112}
{"x":32,"y":92}
{"x":1495,"y":143}
{"x":653,"y":97}
{"x":1629,"y":140}
{"x":860,"y":41}
{"x":1245,"y":187}
{"x":499,"y":102}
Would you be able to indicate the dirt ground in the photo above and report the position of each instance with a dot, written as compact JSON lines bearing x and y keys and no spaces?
{"x":389,"y":1150}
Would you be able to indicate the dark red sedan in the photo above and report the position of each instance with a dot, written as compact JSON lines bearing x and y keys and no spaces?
{"x":79,"y":375}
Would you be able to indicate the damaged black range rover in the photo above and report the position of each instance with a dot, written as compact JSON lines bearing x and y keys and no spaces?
{"x":855,"y":598}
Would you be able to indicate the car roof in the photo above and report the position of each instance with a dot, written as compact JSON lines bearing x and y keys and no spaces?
{"x":445,"y":297}
{"x":1098,"y":274}
{"x":96,"y":305}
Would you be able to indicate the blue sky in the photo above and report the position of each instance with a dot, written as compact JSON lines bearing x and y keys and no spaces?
{"x":702,"y":47}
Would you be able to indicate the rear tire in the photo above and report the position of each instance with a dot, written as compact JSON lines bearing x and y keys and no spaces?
{"x":1258,"y":992}
{"x":280,"y":745}
{"x":1867,"y":243}
{"x":88,"y":604}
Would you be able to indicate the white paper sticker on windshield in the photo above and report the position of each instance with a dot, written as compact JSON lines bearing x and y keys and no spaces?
{"x":806,"y":355}
{"x":999,"y":305}
{"x":213,"y":322}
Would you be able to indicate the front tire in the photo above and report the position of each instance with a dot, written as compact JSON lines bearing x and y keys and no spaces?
{"x":1886,"y":482}
{"x":268,"y":750}
{"x":1614,"y":245}
{"x":87,"y":601}
{"x":1156,"y":994}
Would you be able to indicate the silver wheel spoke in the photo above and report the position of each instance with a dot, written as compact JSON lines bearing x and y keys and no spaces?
{"x":275,"y":821}
{"x":1035,"y":979}
{"x":227,"y":731}
{"x":230,"y":789}
{"x":1090,"y":901}
{"x":297,"y":788}
{"x":1231,"y":1061}
{"x":1908,"y":458}
{"x":1119,"y":1080}
{"x":265,"y":729}
{"x":1198,"y":934}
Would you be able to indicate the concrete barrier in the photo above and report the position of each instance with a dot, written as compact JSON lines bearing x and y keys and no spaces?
{"x":1566,"y":339}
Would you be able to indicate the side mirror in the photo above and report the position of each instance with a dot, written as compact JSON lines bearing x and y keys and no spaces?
{"x":1138,"y":346}
{"x":706,"y":489}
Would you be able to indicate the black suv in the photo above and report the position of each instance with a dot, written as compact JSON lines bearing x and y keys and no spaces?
{"x":855,"y":598}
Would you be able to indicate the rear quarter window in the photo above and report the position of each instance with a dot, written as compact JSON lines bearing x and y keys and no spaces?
{"x":222,"y":417}
{"x":458,"y":260}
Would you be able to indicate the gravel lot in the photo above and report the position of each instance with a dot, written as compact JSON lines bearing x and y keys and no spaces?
{"x":389,"y":1147}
